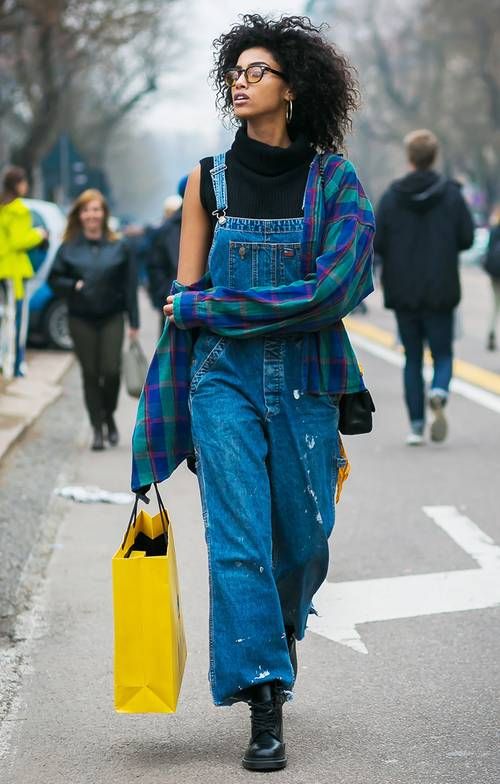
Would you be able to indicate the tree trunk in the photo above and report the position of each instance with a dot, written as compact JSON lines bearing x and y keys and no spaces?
{"x":46,"y":117}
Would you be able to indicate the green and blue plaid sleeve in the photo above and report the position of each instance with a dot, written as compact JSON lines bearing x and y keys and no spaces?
{"x":342,"y":279}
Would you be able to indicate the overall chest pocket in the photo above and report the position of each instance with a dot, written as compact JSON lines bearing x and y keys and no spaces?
{"x":254,"y":264}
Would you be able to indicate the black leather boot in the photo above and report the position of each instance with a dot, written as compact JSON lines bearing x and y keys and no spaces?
{"x":113,"y":435}
{"x":266,"y":750}
{"x":98,"y":442}
{"x":292,"y":648}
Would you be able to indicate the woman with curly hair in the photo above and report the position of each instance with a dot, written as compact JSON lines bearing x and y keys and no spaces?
{"x":276,"y":248}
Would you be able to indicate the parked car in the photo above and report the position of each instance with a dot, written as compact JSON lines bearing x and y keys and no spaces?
{"x":48,"y":314}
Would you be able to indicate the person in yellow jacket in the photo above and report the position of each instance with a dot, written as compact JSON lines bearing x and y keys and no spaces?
{"x":17,"y":236}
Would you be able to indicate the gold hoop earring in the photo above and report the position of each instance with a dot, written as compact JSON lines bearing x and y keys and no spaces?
{"x":289,"y":112}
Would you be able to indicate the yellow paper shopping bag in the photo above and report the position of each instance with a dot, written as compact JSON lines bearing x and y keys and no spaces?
{"x":150,"y":647}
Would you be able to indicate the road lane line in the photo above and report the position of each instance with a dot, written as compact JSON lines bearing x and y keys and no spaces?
{"x":343,"y":606}
{"x":467,"y":535}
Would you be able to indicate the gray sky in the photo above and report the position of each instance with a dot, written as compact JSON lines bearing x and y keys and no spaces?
{"x":190,"y":104}
{"x":179,"y":125}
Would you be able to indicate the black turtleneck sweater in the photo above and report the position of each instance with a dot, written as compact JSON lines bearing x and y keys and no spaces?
{"x":262,"y":181}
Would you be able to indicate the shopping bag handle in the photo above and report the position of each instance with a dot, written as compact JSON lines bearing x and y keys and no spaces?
{"x":132,"y":520}
{"x":163,"y":514}
{"x":163,"y":517}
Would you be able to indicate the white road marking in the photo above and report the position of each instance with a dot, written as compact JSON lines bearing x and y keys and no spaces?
{"x":463,"y":388}
{"x":467,"y":535}
{"x":344,"y":606}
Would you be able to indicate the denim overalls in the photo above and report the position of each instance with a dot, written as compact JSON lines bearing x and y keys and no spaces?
{"x":266,"y":462}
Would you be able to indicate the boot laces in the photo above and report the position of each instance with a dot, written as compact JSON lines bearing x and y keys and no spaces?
{"x":264,"y":718}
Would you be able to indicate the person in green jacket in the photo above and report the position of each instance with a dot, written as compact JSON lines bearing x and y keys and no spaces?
{"x":17,"y":236}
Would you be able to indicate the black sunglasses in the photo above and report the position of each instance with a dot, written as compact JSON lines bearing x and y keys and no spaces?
{"x":253,"y":73}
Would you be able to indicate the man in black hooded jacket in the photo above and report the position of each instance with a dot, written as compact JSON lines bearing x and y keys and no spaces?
{"x":422,"y":224}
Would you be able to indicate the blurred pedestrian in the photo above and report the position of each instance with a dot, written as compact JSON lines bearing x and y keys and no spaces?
{"x":17,"y":236}
{"x":94,"y":270}
{"x":282,"y":236}
{"x":163,"y":261}
{"x":142,"y":248}
{"x":172,"y":203}
{"x":422,"y":224}
{"x":492,"y":267}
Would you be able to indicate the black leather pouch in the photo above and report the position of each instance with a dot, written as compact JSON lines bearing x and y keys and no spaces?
{"x":356,"y":413}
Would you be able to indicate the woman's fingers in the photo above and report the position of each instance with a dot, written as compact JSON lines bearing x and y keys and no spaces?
{"x":168,"y":309}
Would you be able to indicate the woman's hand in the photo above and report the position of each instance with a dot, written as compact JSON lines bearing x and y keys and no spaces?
{"x":133,"y":334}
{"x":168,"y":309}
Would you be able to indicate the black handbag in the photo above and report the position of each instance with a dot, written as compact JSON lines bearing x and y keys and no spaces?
{"x":356,"y":413}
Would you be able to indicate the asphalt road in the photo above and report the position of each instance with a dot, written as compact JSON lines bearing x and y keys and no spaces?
{"x":421,"y":707}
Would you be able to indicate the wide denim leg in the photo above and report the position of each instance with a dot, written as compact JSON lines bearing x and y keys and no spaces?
{"x":247,"y":635}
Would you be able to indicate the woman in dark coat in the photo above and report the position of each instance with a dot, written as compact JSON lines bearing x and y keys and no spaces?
{"x":95,"y":272}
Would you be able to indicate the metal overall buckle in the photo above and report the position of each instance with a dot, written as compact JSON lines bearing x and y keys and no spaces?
{"x":221,"y":216}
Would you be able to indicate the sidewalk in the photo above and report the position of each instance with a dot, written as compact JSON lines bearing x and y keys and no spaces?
{"x":23,"y":399}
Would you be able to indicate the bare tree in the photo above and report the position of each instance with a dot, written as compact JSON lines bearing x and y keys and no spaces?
{"x":428,"y":63}
{"x":470,"y":43}
{"x":51,"y":47}
{"x":96,"y":107}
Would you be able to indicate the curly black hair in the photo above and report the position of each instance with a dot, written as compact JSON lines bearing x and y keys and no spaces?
{"x":323,"y":80}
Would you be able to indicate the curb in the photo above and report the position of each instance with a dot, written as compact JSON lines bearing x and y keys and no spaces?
{"x":24,"y":399}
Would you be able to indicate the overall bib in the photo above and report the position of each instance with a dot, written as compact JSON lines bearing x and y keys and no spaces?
{"x":267,"y":459}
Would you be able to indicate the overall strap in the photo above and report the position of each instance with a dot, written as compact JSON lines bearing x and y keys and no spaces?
{"x":219,"y":182}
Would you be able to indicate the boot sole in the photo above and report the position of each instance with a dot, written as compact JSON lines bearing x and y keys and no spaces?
{"x":264,"y":765}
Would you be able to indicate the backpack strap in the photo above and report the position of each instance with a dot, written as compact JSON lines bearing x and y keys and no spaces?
{"x":220,"y":188}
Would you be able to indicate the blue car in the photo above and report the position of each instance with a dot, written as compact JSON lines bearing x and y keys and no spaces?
{"x":48,"y":315}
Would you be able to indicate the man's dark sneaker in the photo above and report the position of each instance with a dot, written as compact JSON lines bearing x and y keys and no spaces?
{"x":439,"y":428}
{"x":266,"y":750}
{"x":491,"y":342}
{"x":292,"y":648}
{"x":113,"y":435}
{"x":98,"y":440}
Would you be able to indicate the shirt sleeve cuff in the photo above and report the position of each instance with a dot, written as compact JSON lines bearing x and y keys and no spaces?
{"x":177,"y":287}
{"x":177,"y":311}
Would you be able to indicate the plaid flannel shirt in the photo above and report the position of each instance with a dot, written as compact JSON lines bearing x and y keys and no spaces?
{"x":336,"y":258}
